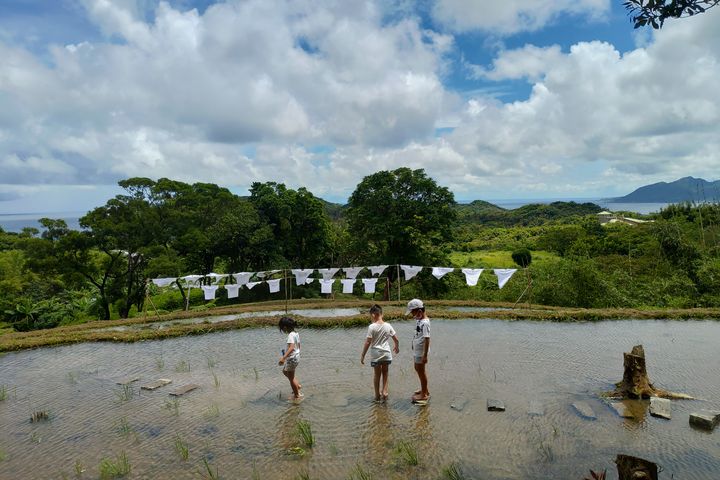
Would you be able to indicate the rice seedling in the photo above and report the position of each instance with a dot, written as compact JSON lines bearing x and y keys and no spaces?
{"x":255,"y":471}
{"x":212,"y":411}
{"x":407,"y":452}
{"x":79,"y":468}
{"x":183,"y":366}
{"x":39,"y":416}
{"x":452,"y":472}
{"x":173,"y":406}
{"x":208,"y":472}
{"x":72,"y":377}
{"x":35,"y":437}
{"x":359,"y":473}
{"x":3,"y":393}
{"x":211,"y":363}
{"x":333,"y":449}
{"x":216,"y":380}
{"x":181,"y":447}
{"x":297,"y":451}
{"x":123,"y":427}
{"x":304,"y":475}
{"x":304,"y":430}
{"x":3,"y":455}
{"x":114,"y":468}
{"x":160,"y":362}
{"x":257,"y":376}
{"x":125,"y":393}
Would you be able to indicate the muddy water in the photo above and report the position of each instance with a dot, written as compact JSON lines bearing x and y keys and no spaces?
{"x":241,"y":422}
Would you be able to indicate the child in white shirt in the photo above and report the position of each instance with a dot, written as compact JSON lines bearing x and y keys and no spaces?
{"x":291,"y":354}
{"x":377,"y":340}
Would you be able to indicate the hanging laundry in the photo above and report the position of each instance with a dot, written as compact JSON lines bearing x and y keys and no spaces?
{"x":274,"y":285}
{"x":232,"y":290}
{"x":352,"y":272}
{"x":191,"y":279}
{"x":309,"y":281}
{"x":369,"y":284}
{"x":243,"y":277}
{"x":326,"y":285}
{"x":377,"y":269}
{"x":348,"y":284}
{"x":216,"y":277}
{"x":327,"y":273}
{"x":503,"y":275}
{"x":267,"y":273}
{"x":301,"y":275}
{"x":410,"y":271}
{"x":472,"y":275}
{"x":250,"y":285}
{"x":163,"y":282}
{"x":439,"y":272}
{"x":209,"y":291}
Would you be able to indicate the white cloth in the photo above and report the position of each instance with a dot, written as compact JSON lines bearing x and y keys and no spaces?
{"x":163,"y":282}
{"x":191,"y":279}
{"x":327,"y":273}
{"x":274,"y":285}
{"x":380,"y":335}
{"x":243,"y":277}
{"x":410,"y":271}
{"x":377,"y":269}
{"x":216,"y":277}
{"x":348,"y":284}
{"x":326,"y":285}
{"x":309,"y":281}
{"x":422,"y":331}
{"x":439,"y":272}
{"x":503,"y":275}
{"x":369,"y":284}
{"x":250,"y":285}
{"x":294,"y":338}
{"x":301,"y":275}
{"x":472,"y":275}
{"x":209,"y":291}
{"x":352,"y":272}
{"x":232,"y":289}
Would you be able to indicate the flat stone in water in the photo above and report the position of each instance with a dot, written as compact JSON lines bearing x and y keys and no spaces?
{"x":184,"y":389}
{"x":584,"y":410}
{"x":127,"y":380}
{"x":494,"y":405}
{"x":706,"y":419}
{"x":536,"y":409}
{"x":156,"y":384}
{"x":621,"y":409}
{"x":459,"y":404}
{"x":660,"y":407}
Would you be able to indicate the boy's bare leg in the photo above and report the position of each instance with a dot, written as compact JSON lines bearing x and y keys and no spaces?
{"x":385,"y":370}
{"x":376,"y":380}
{"x":420,"y":369}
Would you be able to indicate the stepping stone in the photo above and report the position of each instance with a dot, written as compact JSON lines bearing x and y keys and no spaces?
{"x":536,"y":409}
{"x":459,"y":404}
{"x":660,"y":407}
{"x":705,"y":419}
{"x":621,"y":409}
{"x":584,"y":410}
{"x":184,"y":389}
{"x":127,"y":380}
{"x":495,"y":405}
{"x":156,"y":384}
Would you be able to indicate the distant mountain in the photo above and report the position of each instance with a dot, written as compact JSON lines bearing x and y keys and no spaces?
{"x":688,"y":189}
{"x":489,"y":214}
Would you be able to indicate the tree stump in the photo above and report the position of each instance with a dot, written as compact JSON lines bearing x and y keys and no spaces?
{"x":635,"y":382}
{"x":634,"y":468}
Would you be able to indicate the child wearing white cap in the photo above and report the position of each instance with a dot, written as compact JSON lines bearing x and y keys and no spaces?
{"x":420,"y":346}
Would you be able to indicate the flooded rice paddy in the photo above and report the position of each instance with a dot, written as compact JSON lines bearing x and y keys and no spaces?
{"x":239,"y":420}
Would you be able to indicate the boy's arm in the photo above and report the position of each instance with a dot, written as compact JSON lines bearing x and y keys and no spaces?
{"x":397,"y":343}
{"x":365,"y":349}
{"x":425,"y":350}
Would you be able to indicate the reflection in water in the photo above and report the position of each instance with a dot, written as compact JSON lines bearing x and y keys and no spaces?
{"x":241,"y":422}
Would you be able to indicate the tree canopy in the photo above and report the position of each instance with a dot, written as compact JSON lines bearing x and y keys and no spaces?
{"x":655,"y":12}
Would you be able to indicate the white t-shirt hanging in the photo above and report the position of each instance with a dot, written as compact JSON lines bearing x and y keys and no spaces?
{"x":352,"y":272}
{"x":191,"y":279}
{"x":369,"y":284}
{"x":326,"y":285}
{"x":309,"y":281}
{"x":209,"y":291}
{"x":439,"y":272}
{"x":377,"y":269}
{"x":232,"y":290}
{"x":267,"y":273}
{"x":216,"y":277}
{"x":348,"y":284}
{"x":503,"y":275}
{"x":250,"y":285}
{"x":327,"y":273}
{"x":472,"y":275}
{"x":274,"y":285}
{"x":243,"y":277}
{"x":163,"y":282}
{"x":301,"y":275}
{"x":410,"y":271}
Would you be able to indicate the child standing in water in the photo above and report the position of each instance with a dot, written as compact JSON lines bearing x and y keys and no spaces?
{"x":378,"y":336}
{"x":291,"y":354}
{"x":420,"y":346}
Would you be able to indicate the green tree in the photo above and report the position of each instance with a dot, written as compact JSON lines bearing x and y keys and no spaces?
{"x":655,"y":12}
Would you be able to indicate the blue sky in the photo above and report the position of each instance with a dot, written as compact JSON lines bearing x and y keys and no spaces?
{"x":512,"y":99}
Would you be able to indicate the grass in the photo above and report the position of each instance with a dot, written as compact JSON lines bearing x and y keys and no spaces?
{"x":359,"y":473}
{"x":183,"y":366}
{"x":173,"y":406}
{"x":257,"y":377}
{"x":3,"y":455}
{"x":79,"y":468}
{"x":3,"y":393}
{"x":123,"y":426}
{"x":126,"y":393}
{"x":115,"y":468}
{"x":407,"y":452}
{"x":72,"y":377}
{"x":211,"y":363}
{"x":304,"y":430}
{"x":208,"y":472}
{"x":181,"y":447}
{"x":495,"y":258}
{"x":160,"y":362}
{"x":452,"y":472}
{"x":216,"y":380}
{"x":212,"y":411}
{"x":304,"y":475}
{"x":40,"y":416}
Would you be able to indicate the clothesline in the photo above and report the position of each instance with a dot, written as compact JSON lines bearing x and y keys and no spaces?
{"x":302,"y":277}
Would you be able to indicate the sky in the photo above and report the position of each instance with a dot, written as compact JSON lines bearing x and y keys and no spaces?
{"x":495,"y":100}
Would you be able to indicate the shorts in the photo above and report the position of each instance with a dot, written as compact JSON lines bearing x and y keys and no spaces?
{"x":418,"y":359}
{"x":380,"y":362}
{"x":291,"y":364}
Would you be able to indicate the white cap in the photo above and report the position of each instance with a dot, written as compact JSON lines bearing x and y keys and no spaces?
{"x":413,"y":304}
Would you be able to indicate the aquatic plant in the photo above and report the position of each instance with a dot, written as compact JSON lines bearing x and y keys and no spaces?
{"x":123,"y":426}
{"x":304,"y":430}
{"x":3,"y":455}
{"x":298,"y":451}
{"x":452,"y":472}
{"x":304,"y":475}
{"x":173,"y":406}
{"x":183,"y":366}
{"x":255,"y":471}
{"x":216,"y":380}
{"x":359,"y":473}
{"x":257,"y":377}
{"x":212,"y":411}
{"x":39,"y":416}
{"x":211,"y":362}
{"x":181,"y":447}
{"x":79,"y":468}
{"x":407,"y":452}
{"x":3,"y":393}
{"x":119,"y":467}
{"x":126,"y":393}
{"x":72,"y":377}
{"x":159,"y":362}
{"x":35,"y":437}
{"x":208,"y":473}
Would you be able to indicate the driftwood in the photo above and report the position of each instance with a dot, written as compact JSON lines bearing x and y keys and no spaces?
{"x":636,"y":383}
{"x":634,"y":468}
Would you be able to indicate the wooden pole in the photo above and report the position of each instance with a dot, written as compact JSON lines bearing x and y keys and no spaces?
{"x":398,"y":281}
{"x":286,"y":290}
